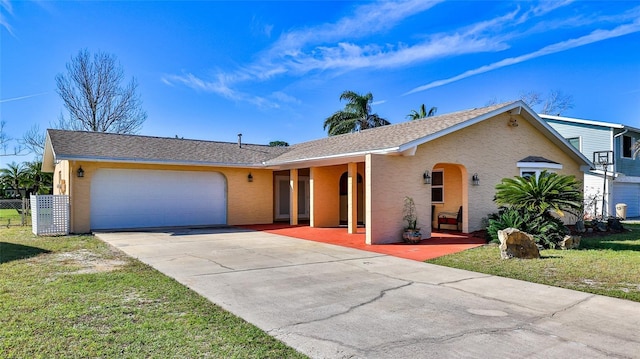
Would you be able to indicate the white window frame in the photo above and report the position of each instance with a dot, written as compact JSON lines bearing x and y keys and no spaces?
{"x":579,"y":138}
{"x":537,"y":168}
{"x":437,"y":186}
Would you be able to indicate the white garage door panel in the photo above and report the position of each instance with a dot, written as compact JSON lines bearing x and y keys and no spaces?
{"x":149,"y":198}
{"x":628,"y":193}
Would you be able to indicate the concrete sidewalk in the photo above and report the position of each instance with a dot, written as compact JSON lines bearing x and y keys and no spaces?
{"x":335,"y":302}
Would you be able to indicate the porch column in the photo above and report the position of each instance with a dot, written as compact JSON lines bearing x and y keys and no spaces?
{"x":311,"y":197}
{"x":352,"y":195}
{"x":293,"y":197}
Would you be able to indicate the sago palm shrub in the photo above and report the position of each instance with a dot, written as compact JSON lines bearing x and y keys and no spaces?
{"x":536,"y":205}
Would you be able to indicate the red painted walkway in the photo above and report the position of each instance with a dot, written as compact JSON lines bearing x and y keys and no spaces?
{"x":440,"y":244}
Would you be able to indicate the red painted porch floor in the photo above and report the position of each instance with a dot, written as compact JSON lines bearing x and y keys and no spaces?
{"x":441,"y":242}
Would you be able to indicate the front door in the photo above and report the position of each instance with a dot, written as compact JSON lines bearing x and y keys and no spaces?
{"x":283,"y":196}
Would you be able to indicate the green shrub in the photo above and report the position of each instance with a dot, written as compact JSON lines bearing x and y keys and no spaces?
{"x":546,"y":230}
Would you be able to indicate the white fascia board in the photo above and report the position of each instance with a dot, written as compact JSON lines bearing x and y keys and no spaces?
{"x":600,"y":173}
{"x":582,"y":121}
{"x":555,"y":166}
{"x":338,"y":158}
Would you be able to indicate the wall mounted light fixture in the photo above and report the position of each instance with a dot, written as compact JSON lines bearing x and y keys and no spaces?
{"x":426,"y":178}
{"x":80,"y":172}
{"x":250,"y":177}
{"x":475,"y":180}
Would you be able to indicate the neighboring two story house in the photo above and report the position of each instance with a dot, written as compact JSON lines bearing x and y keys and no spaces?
{"x":622,"y":183}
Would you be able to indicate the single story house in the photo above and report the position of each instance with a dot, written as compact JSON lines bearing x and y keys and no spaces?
{"x":127,"y":181}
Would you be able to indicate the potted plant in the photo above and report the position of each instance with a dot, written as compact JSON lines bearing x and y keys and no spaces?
{"x":411,"y":233}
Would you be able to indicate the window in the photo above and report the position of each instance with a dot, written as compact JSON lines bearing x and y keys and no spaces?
{"x":532,"y":166}
{"x":575,"y":142}
{"x":627,"y":143}
{"x":437,"y":186}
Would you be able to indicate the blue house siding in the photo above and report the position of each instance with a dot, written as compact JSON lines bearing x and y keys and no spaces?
{"x":628,"y":166}
{"x":592,"y":138}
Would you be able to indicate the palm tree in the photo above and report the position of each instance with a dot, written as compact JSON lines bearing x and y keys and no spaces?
{"x":416,"y":115}
{"x":548,"y":193}
{"x":13,"y":176}
{"x":36,"y":181}
{"x":636,"y":149}
{"x":355,"y":116}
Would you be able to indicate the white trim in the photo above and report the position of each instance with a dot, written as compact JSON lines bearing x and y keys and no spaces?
{"x":544,"y":165}
{"x":582,"y":121}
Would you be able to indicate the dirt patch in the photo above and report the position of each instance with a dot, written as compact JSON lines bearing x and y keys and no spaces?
{"x":89,"y":262}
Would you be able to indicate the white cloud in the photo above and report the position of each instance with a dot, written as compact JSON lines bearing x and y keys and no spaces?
{"x":595,"y":36}
{"x":350,"y":44}
{"x":21,"y":97}
{"x":5,"y":6}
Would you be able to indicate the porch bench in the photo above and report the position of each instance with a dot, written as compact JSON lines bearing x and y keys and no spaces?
{"x":450,"y":218}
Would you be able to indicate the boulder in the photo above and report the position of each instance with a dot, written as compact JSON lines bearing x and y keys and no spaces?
{"x":615,"y":224}
{"x":517,"y":244}
{"x":570,"y":242}
{"x":601,"y":226}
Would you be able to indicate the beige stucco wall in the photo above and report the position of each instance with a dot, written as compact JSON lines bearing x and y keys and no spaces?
{"x":247,"y":202}
{"x":325,"y":195}
{"x":388,"y":180}
{"x":490,"y":148}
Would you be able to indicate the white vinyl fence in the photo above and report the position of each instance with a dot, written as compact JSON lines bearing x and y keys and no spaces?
{"x":50,"y":215}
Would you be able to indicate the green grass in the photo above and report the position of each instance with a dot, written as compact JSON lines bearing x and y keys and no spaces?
{"x":11,"y":217}
{"x":76,"y":297}
{"x":607,"y":265}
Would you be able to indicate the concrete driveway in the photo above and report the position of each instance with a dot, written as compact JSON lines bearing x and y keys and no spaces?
{"x":335,"y":302}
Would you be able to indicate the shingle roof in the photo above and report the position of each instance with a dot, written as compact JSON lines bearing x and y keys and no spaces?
{"x":134,"y":148}
{"x":98,"y":146}
{"x":380,"y":138}
{"x":537,"y":159}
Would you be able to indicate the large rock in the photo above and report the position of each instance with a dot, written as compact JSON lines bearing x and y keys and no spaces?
{"x":517,"y":244}
{"x":570,"y":242}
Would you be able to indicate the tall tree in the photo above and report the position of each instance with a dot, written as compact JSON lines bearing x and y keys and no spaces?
{"x":36,"y":181}
{"x":13,"y":176}
{"x":355,"y":116}
{"x":18,"y":150}
{"x":422,"y":113}
{"x":95,"y":98}
{"x":34,"y":140}
{"x":555,"y":103}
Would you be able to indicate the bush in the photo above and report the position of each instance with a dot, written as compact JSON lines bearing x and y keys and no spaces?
{"x":545,"y":229}
{"x":534,"y":205}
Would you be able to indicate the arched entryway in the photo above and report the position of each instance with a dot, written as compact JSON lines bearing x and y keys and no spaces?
{"x":449,"y":193}
{"x":344,"y":191}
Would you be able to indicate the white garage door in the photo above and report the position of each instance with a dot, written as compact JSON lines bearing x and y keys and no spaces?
{"x":628,"y":193}
{"x":148,"y":198}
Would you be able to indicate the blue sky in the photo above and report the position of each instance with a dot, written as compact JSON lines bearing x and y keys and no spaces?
{"x":274,"y":70}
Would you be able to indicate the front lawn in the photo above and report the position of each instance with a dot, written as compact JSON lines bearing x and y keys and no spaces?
{"x":77,"y":297}
{"x":607,"y":265}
